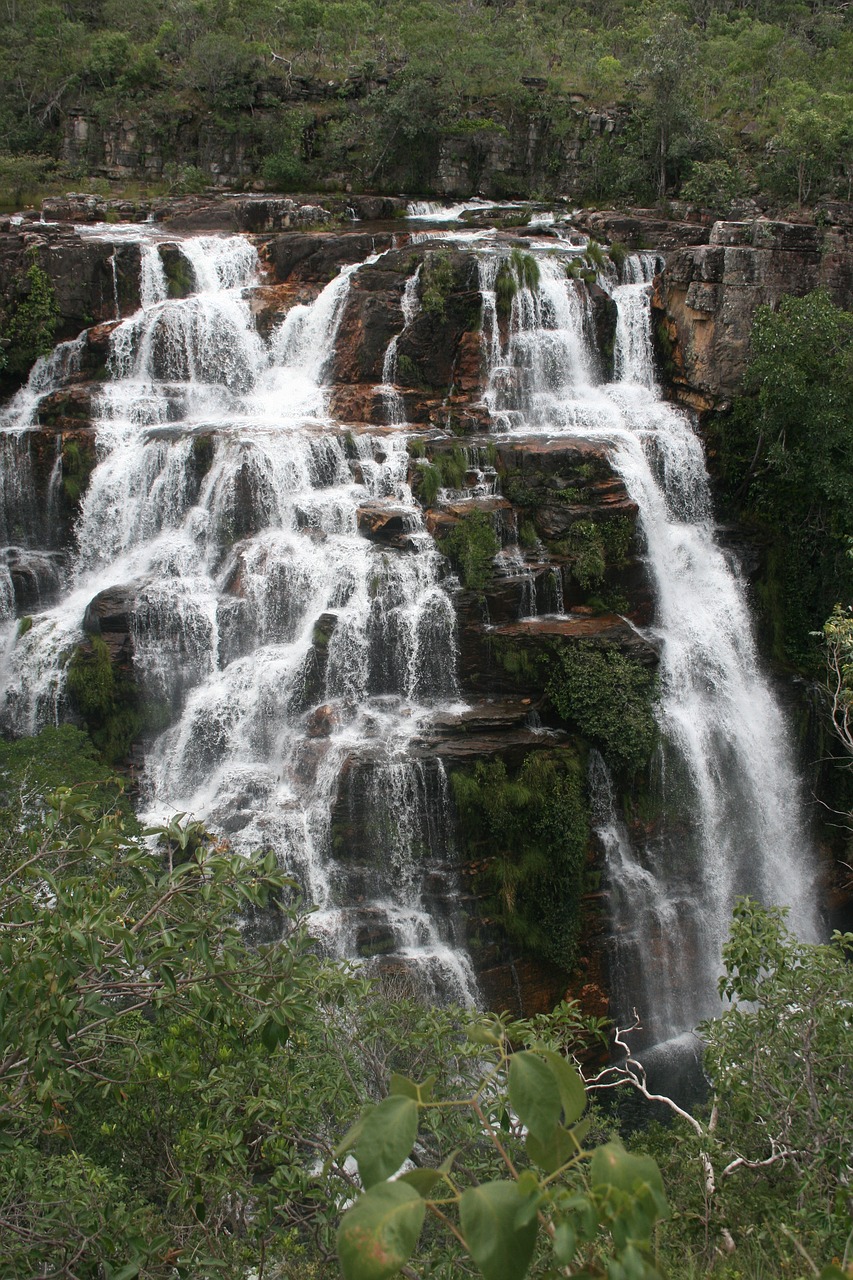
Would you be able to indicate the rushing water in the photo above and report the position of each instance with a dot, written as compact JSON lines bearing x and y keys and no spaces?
{"x":290,"y":653}
{"x":732,"y":818}
{"x":296,"y":661}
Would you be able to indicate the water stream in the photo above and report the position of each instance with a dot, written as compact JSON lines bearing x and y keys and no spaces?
{"x":296,"y":661}
{"x":731,"y":813}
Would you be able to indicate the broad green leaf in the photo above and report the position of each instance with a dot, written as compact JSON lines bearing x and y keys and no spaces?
{"x":534,"y":1094}
{"x":402,"y":1087}
{"x":501,"y":1248}
{"x":387,"y":1137}
{"x":554,"y":1153}
{"x":565,"y":1243}
{"x":423,"y":1180}
{"x":481,"y":1034}
{"x":569,"y":1083}
{"x":379,"y":1232}
{"x":613,"y":1166}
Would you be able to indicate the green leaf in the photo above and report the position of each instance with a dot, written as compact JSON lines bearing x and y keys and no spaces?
{"x":559,"y":1149}
{"x":127,"y":1273}
{"x":402,"y":1087}
{"x":501,"y":1248}
{"x":423,"y":1180}
{"x":386,"y":1139}
{"x":613,"y":1166}
{"x":481,"y":1034}
{"x":569,"y":1083}
{"x":565,"y":1243}
{"x":534,"y":1094}
{"x":380,"y":1231}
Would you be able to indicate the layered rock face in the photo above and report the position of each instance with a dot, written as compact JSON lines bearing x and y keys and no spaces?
{"x":708,"y":294}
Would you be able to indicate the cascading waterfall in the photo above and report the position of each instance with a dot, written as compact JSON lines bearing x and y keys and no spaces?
{"x":285,"y":648}
{"x":395,"y":410}
{"x":299,"y":664}
{"x":725,"y":760}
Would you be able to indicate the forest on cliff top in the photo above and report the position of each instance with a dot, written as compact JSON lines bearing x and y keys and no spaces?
{"x":714,"y":100}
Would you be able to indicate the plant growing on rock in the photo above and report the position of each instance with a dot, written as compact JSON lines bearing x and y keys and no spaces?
{"x":609,"y":696}
{"x":471,"y":546}
{"x":29,"y":332}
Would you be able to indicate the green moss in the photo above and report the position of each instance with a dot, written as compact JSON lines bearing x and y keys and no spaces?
{"x":595,"y":255}
{"x":517,"y":661}
{"x":436,"y":283}
{"x":471,"y":546}
{"x":506,"y":287}
{"x":446,"y":471}
{"x":526,"y":269}
{"x":408,"y":373}
{"x":24,"y":625}
{"x":618,"y":254}
{"x":31,"y":328}
{"x":109,"y":701}
{"x":515,"y":487}
{"x":527,"y":535}
{"x":78,"y":463}
{"x":609,"y":697}
{"x":529,"y":832}
{"x":180,"y":280}
{"x":585,"y":546}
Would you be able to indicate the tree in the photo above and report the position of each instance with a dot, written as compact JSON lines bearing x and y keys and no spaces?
{"x":145,"y":1112}
{"x":773,"y":1155}
{"x":538,"y":1191}
{"x":793,"y":425}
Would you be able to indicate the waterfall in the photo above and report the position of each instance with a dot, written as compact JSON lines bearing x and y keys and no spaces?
{"x":395,"y":412}
{"x":725,"y":765}
{"x":295,"y":661}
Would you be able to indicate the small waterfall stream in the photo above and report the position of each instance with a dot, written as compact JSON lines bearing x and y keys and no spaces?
{"x":734,"y":819}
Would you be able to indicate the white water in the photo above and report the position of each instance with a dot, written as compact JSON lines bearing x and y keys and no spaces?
{"x":298,"y":660}
{"x":224,"y":510}
{"x":735,"y":821}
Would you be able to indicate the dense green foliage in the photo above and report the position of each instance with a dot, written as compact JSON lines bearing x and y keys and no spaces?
{"x":471,"y":547}
{"x":722,"y":96}
{"x":109,"y":700}
{"x":529,"y":833}
{"x":607,"y":696}
{"x":29,"y":330}
{"x":171,"y":1080}
{"x":587,"y":1210}
{"x":771,"y":1160}
{"x":787,"y":457}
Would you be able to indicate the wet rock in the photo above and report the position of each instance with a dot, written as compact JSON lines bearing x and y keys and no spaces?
{"x":322,"y":721}
{"x":706,"y":298}
{"x":318,"y":257}
{"x":386,"y":524}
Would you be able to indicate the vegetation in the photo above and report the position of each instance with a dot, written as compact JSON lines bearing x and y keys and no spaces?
{"x":707,"y":96}
{"x":607,"y":696}
{"x":591,"y":1210}
{"x":787,"y":458}
{"x":471,"y":546}
{"x":768,"y":1164}
{"x":527,"y":835}
{"x":29,"y":330}
{"x":177,"y":1064}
